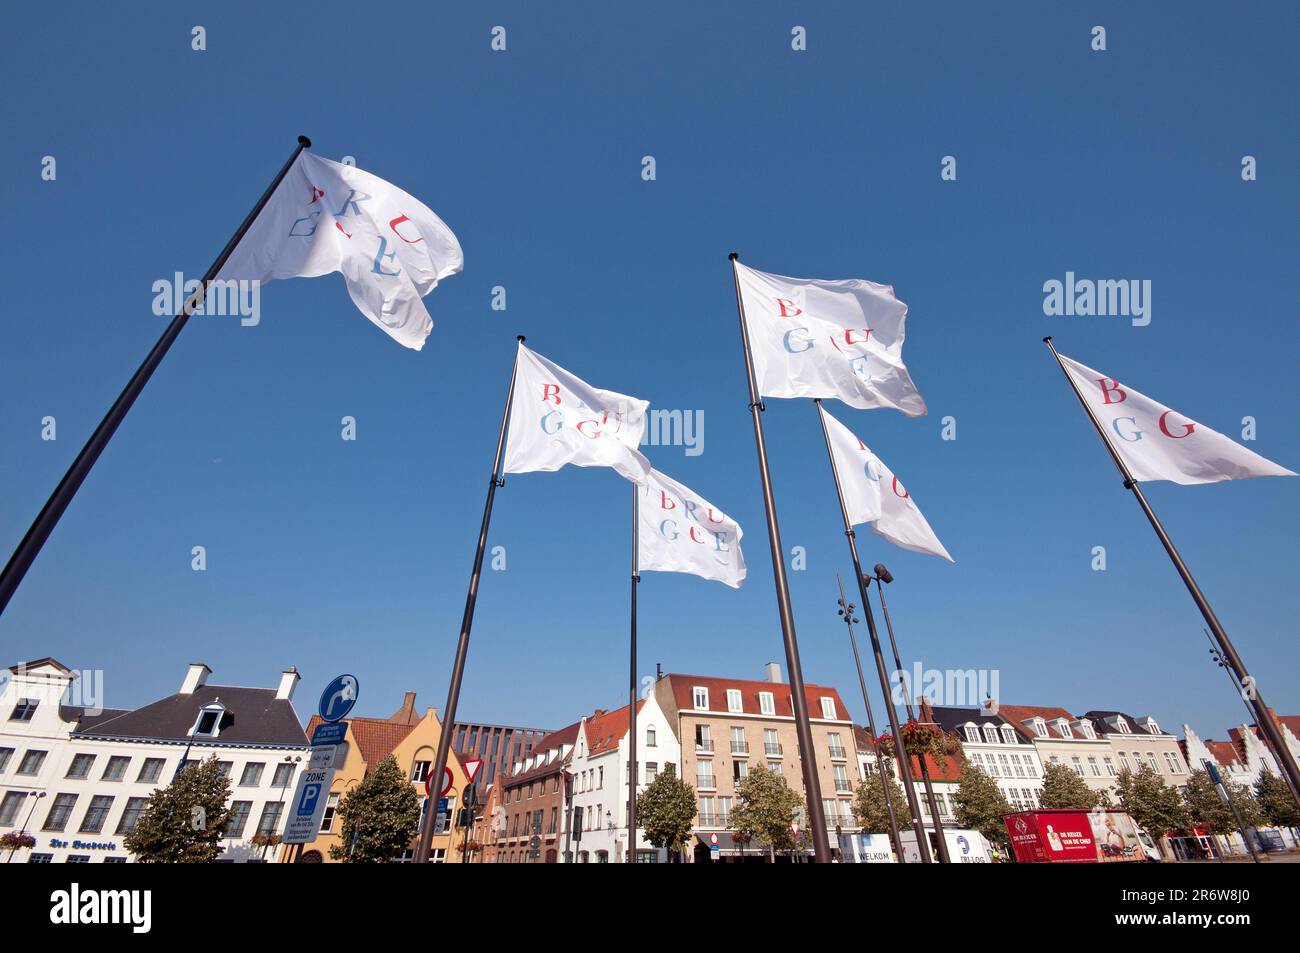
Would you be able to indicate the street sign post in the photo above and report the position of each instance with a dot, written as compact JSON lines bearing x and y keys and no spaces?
{"x":308,"y":805}
{"x":338,"y":698}
{"x":330,"y":733}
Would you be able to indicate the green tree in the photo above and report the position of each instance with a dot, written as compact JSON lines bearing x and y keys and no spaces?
{"x":980,"y":804}
{"x":184,"y":822}
{"x":1276,"y":801}
{"x":665,"y":811}
{"x":1206,"y":809}
{"x":1157,"y":808}
{"x":1064,"y":790}
{"x":378,"y":817}
{"x":869,"y":807}
{"x":765,"y":808}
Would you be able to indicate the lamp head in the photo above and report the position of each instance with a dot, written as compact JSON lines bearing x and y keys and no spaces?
{"x":883,"y":574}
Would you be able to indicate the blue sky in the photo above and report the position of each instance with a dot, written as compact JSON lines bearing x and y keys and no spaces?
{"x":354,"y":556}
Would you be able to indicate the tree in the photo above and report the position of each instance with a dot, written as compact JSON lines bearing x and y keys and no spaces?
{"x":1064,"y":790}
{"x":765,"y":808}
{"x":665,"y":811}
{"x":869,"y":807}
{"x":980,"y":804}
{"x":1276,"y":801}
{"x":1156,"y":807}
{"x":379,"y":817}
{"x":1207,"y":811}
{"x":184,"y":822}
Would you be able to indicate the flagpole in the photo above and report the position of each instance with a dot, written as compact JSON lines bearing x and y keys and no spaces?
{"x":847,"y":612}
{"x":48,"y":518}
{"x":1263,"y":717}
{"x":911,"y":716}
{"x":424,"y":847}
{"x":798,"y":697}
{"x":631,"y":688}
{"x":904,"y":761}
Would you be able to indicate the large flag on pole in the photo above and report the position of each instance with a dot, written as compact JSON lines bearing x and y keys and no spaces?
{"x":842,"y":339}
{"x":325,"y":216}
{"x":560,"y":419}
{"x":1157,"y":443}
{"x":680,"y":531}
{"x":872,"y":494}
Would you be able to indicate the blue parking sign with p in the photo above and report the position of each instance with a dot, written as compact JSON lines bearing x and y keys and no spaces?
{"x":307,"y":803}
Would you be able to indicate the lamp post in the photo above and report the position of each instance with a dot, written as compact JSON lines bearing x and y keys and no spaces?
{"x":883,"y":575}
{"x":284,"y":785}
{"x":35,"y":796}
{"x":846,"y":612}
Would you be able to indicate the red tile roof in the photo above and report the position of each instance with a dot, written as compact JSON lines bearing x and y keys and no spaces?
{"x":556,"y":740}
{"x":605,"y":731}
{"x":951,"y":773}
{"x":683,"y":693}
{"x":376,"y":738}
{"x":1017,"y":715}
{"x":1225,"y":752}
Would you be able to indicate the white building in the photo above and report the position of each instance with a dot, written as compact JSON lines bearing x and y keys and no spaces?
{"x":1006,"y":755}
{"x":76,"y":776}
{"x":600,"y":769}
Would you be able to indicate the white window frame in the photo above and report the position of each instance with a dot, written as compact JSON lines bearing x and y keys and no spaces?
{"x":766,"y":703}
{"x":699,"y":692}
{"x":828,"y":708}
{"x":734,"y":703}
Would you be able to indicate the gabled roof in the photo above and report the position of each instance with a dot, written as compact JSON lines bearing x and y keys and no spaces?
{"x":607,"y":730}
{"x":23,"y":667}
{"x":1017,"y":715}
{"x":1104,"y":722}
{"x":555,"y":741}
{"x":376,"y":738}
{"x":1224,"y":752}
{"x":683,"y":691}
{"x":254,"y":716}
{"x":952,"y":719}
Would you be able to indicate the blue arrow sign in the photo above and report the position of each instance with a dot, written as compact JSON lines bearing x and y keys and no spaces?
{"x":338,"y":698}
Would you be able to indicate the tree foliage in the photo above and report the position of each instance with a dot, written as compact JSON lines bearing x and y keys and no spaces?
{"x":665,"y":811}
{"x":1064,"y":790}
{"x":184,"y":822}
{"x":765,"y":808}
{"x":1276,"y":801}
{"x":378,"y":817}
{"x":1207,"y":811}
{"x":1156,"y":807}
{"x":980,"y":804}
{"x":869,"y":807}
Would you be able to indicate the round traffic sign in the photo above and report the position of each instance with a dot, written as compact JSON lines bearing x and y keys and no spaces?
{"x":446,"y":783}
{"x":338,"y":698}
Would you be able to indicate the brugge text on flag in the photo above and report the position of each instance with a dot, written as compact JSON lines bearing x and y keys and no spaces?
{"x":680,"y":531}
{"x":325,"y":216}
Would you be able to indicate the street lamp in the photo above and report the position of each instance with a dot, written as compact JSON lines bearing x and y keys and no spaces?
{"x":35,"y":796}
{"x":284,"y":785}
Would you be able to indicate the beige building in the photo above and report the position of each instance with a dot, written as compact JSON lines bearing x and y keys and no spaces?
{"x":727,"y":726}
{"x":1138,"y":741}
{"x":1061,"y":738}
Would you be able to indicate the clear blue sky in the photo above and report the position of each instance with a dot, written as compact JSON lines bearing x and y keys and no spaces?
{"x":339,"y":556}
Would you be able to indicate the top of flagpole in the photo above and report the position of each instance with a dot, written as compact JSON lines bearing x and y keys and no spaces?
{"x":519,"y":338}
{"x":733,"y":257}
{"x":306,"y":143}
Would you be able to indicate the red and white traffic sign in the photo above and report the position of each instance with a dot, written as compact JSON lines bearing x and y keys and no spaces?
{"x":794,"y":828}
{"x":713,"y":839}
{"x":472,"y":767}
{"x":446,"y":783}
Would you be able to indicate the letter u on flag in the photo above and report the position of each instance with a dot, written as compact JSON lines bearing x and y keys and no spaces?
{"x":557,"y":419}
{"x":842,"y":339}
{"x":390,"y":248}
{"x":1157,"y":443}
{"x":872,"y":494}
{"x":680,"y":531}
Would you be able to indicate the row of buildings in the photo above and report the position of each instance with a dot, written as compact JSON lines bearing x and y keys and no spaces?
{"x":75,"y":777}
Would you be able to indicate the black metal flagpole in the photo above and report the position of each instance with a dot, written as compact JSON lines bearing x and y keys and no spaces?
{"x":48,"y":518}
{"x":798,"y":698}
{"x":846,"y":610}
{"x":631,"y":687}
{"x":904,"y":761}
{"x":942,"y":841}
{"x":1263,"y":717}
{"x":467,"y":622}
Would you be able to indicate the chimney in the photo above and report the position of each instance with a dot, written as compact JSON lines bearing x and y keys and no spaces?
{"x":288,"y":682}
{"x":773,"y":672}
{"x":196,"y":676}
{"x":406,"y":714}
{"x":659,"y":671}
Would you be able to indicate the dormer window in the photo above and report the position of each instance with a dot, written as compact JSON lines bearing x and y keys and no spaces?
{"x":828,"y":708}
{"x":25,"y":709}
{"x":1152,"y":727}
{"x":1008,"y":735}
{"x":972,"y":734}
{"x":1063,"y":727}
{"x":700,"y":698}
{"x":208,"y":724}
{"x":990,"y":734}
{"x":1122,"y":724}
{"x":1086,"y":729}
{"x":733,"y":700}
{"x":766,"y":703}
{"x":1040,"y":727}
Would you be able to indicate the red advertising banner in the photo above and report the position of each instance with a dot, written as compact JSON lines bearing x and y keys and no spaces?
{"x":1052,"y":837}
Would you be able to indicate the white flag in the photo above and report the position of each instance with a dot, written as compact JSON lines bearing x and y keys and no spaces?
{"x":558,"y":419}
{"x":680,"y":531}
{"x":1157,"y":443}
{"x":840,"y":339}
{"x":874,"y":495}
{"x":325,"y":216}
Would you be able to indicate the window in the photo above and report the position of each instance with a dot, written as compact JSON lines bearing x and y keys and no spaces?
{"x":252,"y":775}
{"x":9,"y":807}
{"x":733,"y":700}
{"x":739,"y":770}
{"x":25,"y":709}
{"x":150,"y":770}
{"x":707,"y":817}
{"x":327,"y":817}
{"x":283,"y":774}
{"x":775,"y":768}
{"x":5,"y":755}
{"x":724,"y":811}
{"x":224,"y":768}
{"x":1085,"y":728}
{"x":702,"y":740}
{"x":972,"y":734}
{"x":131,"y":814}
{"x":842,"y":785}
{"x":1008,"y":735}
{"x":704,"y":774}
{"x":833,"y":742}
{"x":651,"y":771}
{"x":738,"y":743}
{"x":239,"y":812}
{"x":1063,"y":727}
{"x":420,"y":771}
{"x":828,"y":707}
{"x":1092,"y":763}
{"x":771,"y":746}
{"x":80,"y":767}
{"x":209,"y":722}
{"x":31,"y":763}
{"x":650,"y":737}
{"x":115,"y":860}
{"x":1151,"y":759}
{"x":40,"y":859}
{"x":1110,"y":767}
{"x":1040,"y":727}
{"x":1123,"y":760}
{"x":990,"y":734}
{"x":1152,"y":727}
{"x":115,"y":770}
{"x":60,"y":811}
{"x":701,"y":698}
{"x":1175,"y":766}
{"x":96,"y":814}
{"x":1077,"y":765}
{"x":78,"y":859}
{"x":1122,"y":724}
{"x":270,"y":818}
{"x":766,"y":704}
